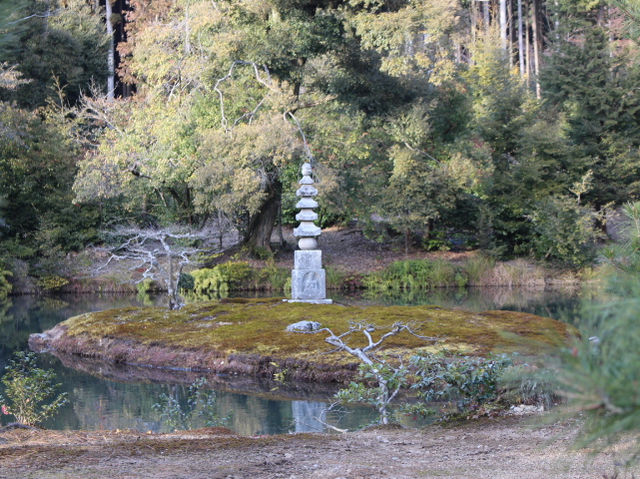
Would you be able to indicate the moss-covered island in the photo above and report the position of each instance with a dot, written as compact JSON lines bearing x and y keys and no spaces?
{"x":247,"y":336}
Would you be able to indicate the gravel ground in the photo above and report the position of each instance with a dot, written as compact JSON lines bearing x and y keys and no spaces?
{"x":498,"y":448}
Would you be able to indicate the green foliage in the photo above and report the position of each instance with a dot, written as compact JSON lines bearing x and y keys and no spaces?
{"x":477,"y":266}
{"x":30,"y":391}
{"x":631,"y":10}
{"x":407,"y":116}
{"x":421,"y":188}
{"x":222,"y":277}
{"x":590,"y":87}
{"x":530,"y":384}
{"x":600,"y":371}
{"x":50,"y":283}
{"x":237,"y":276}
{"x":598,"y":374}
{"x":415,"y":274}
{"x":469,"y":381}
{"x":195,"y":407}
{"x":186,"y":282}
{"x":67,"y":49}
{"x":564,"y":232}
{"x":337,"y":279}
{"x":626,"y":256}
{"x":5,"y":285}
{"x":368,"y":390}
{"x":37,"y":168}
{"x":146,"y":286}
{"x":519,"y":152}
{"x":271,"y":277}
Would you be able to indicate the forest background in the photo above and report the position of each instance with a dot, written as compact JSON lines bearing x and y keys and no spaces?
{"x":511,"y":126}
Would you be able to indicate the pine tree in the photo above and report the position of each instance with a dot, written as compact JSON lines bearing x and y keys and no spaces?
{"x":592,"y":89}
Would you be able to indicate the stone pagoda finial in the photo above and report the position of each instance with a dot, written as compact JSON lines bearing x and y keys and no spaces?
{"x":307,"y":231}
{"x":308,"y":278}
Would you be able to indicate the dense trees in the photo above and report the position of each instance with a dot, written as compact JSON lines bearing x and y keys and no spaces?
{"x":506,"y":124}
{"x":54,"y":45}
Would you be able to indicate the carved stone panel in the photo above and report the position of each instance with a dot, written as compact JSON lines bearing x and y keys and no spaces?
{"x":307,"y":259}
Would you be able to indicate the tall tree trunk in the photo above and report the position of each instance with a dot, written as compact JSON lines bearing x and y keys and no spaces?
{"x":111,"y":62}
{"x":527,"y":45}
{"x":261,"y":224}
{"x":503,"y":24}
{"x":486,"y":14}
{"x":520,"y":40}
{"x":510,"y":33}
{"x":187,"y":39}
{"x":280,"y":232}
{"x":556,"y":20}
{"x":536,"y":46}
{"x":474,"y":22}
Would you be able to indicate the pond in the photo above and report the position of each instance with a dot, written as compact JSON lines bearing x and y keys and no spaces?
{"x":104,"y":396}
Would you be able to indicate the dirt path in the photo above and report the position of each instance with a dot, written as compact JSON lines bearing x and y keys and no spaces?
{"x":503,"y":448}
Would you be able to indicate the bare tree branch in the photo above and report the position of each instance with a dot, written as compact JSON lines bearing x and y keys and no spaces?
{"x":267,"y":83}
{"x":46,"y":14}
{"x":367,"y":356}
{"x":307,"y":148}
{"x":158,"y":254}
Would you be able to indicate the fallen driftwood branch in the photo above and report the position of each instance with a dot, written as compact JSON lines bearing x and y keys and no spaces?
{"x":18,"y":425}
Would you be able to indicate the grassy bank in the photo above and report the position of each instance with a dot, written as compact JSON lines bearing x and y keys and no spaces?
{"x":402,"y":275}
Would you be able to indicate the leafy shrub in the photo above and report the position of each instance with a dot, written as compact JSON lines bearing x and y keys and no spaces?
{"x":469,"y":381}
{"x":30,"y":391}
{"x":368,"y":390}
{"x":530,"y":384}
{"x":5,"y":285}
{"x":262,"y":253}
{"x":477,"y":267}
{"x":564,"y":232}
{"x":416,"y":274}
{"x":51,"y":282}
{"x":335,"y":277}
{"x":271,"y":277}
{"x":186,"y":282}
{"x":196,"y":409}
{"x":146,"y":286}
{"x":437,"y":241}
{"x":222,"y":277}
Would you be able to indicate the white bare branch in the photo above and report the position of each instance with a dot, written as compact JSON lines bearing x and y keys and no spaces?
{"x":305,"y":143}
{"x":266,"y":82}
{"x":158,"y":254}
{"x":387,"y":392}
{"x":46,"y":14}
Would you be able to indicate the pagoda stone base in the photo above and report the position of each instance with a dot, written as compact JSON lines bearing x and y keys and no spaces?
{"x":309,"y":301}
{"x":308,"y":278}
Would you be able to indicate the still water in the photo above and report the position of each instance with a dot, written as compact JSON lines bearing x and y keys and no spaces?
{"x":103,"y":396}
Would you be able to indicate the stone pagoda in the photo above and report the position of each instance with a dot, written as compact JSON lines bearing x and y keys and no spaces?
{"x":308,"y":279}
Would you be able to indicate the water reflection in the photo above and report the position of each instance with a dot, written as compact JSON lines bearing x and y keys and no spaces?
{"x":98,"y":403}
{"x":107,"y":396}
{"x":307,"y":415}
{"x":559,"y":303}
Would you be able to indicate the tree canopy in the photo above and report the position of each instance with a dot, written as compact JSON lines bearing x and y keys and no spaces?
{"x":447,"y":123}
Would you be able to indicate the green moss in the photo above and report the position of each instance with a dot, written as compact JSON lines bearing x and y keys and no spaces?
{"x":257,"y":326}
